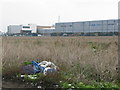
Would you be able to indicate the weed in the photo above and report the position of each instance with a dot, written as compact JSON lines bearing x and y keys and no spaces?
{"x":80,"y":58}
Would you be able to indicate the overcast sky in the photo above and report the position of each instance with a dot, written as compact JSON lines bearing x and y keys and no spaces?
{"x":46,"y":12}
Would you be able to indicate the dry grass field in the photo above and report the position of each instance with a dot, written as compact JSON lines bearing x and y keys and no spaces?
{"x":86,"y":58}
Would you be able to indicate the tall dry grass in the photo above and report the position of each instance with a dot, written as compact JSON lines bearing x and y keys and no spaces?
{"x":84,"y":57}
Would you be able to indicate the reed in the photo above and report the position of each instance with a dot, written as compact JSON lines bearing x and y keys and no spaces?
{"x":95,"y":58}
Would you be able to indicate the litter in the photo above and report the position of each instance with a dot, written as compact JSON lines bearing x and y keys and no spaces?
{"x":44,"y":67}
{"x":32,"y":77}
{"x":22,"y":75}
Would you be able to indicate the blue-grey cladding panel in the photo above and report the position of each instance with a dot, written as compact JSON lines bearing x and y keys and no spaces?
{"x":78,"y":27}
{"x":104,"y":22}
{"x":59,"y":27}
{"x":86,"y":27}
{"x":111,"y":21}
{"x":95,"y":26}
{"x":68,"y":27}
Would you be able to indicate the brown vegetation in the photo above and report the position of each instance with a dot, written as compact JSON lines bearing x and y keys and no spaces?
{"x":84,"y":57}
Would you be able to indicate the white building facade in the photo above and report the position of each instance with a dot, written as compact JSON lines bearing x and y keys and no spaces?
{"x":21,"y":29}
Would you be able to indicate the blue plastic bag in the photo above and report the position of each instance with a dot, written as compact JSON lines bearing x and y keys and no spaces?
{"x":37,"y":68}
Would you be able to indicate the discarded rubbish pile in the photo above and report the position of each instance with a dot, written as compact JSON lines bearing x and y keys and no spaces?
{"x":44,"y":67}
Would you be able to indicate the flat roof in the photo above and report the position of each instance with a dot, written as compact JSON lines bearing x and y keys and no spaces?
{"x":88,"y":21}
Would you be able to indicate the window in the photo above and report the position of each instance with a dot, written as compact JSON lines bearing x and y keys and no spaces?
{"x":110,"y":24}
{"x":26,"y":27}
{"x":63,"y":25}
{"x":95,"y":24}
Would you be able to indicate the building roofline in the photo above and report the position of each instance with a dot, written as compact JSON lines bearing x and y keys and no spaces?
{"x":88,"y":21}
